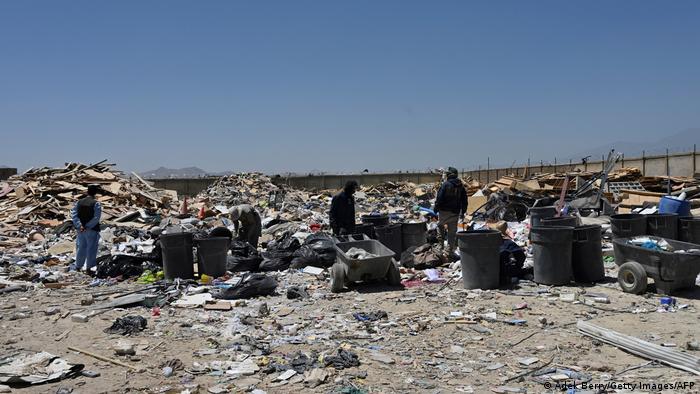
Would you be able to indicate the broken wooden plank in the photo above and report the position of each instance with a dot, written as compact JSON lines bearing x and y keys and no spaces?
{"x":102,"y":358}
{"x":218,"y":305}
{"x":62,"y":335}
{"x":148,"y":185}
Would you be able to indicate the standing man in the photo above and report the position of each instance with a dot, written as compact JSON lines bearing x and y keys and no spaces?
{"x":342,"y":214}
{"x":247,"y":222}
{"x":450,"y":205}
{"x":86,"y":220}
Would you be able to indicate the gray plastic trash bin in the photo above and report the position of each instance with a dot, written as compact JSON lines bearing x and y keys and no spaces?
{"x":552,"y":254}
{"x":178,"y":261}
{"x":479,"y":254}
{"x":211,"y":253}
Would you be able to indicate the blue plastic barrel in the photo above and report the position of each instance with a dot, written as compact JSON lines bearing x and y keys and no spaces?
{"x":671,"y":205}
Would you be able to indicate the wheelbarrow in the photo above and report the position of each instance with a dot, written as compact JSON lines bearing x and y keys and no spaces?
{"x":670,"y":271}
{"x":347,"y":269}
{"x":348,"y":238}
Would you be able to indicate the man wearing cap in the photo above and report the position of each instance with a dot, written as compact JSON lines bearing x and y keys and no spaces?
{"x":86,"y":220}
{"x":247,"y":222}
{"x":450,"y":205}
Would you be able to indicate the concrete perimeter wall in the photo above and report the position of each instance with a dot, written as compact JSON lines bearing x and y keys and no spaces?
{"x":184,"y":186}
{"x":192,"y":186}
{"x":678,"y":164}
{"x":681,"y":164}
{"x":322,"y":182}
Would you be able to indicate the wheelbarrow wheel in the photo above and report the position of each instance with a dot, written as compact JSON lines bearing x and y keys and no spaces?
{"x":337,"y":278}
{"x":393,"y":276}
{"x":632,"y":278}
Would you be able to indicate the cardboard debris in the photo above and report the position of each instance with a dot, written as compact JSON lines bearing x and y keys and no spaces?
{"x":35,"y":368}
{"x":45,"y":196}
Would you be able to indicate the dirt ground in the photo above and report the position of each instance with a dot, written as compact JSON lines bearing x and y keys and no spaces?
{"x":423,"y":345}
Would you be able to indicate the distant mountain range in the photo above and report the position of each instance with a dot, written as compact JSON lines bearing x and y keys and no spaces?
{"x":676,"y":143}
{"x":679,"y":142}
{"x":187,"y":172}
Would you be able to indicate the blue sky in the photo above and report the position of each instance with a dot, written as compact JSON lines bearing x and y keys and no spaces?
{"x":340,"y":85}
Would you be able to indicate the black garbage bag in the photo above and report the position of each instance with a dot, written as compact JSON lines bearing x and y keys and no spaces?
{"x":276,"y":264}
{"x":302,"y":362}
{"x":275,"y":221}
{"x":276,"y":260}
{"x":252,"y":285}
{"x":127,"y":325}
{"x":244,"y":257}
{"x":318,"y":251}
{"x":344,"y":359}
{"x":304,"y":257}
{"x":243,"y":263}
{"x":242,"y":248}
{"x":512,"y":262}
{"x":285,"y":243}
{"x":325,"y":248}
{"x":120,"y":265}
{"x":318,"y":236}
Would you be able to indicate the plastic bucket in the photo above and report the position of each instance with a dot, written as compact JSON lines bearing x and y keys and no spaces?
{"x":212,"y":253}
{"x":671,"y":205}
{"x":539,"y":213}
{"x":178,"y":261}
{"x":552,"y":246}
{"x":375,"y":220}
{"x":413,"y":234}
{"x":480,"y":258}
{"x":390,"y":236}
{"x":664,"y":225}
{"x":587,"y":254}
{"x":628,"y":225}
{"x":689,"y":229}
{"x":566,"y":221}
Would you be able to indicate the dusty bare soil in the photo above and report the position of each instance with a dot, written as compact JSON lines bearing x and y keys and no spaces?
{"x":421,"y":347}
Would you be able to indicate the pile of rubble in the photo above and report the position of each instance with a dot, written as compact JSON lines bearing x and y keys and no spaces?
{"x":397,"y":199}
{"x":625,"y":188}
{"x":257,"y":190}
{"x":43,"y":197}
{"x":243,"y":188}
{"x":272,"y":201}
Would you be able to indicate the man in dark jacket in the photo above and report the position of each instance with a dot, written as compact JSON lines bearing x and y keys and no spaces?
{"x":342,"y":214}
{"x":86,"y":220}
{"x":450,"y":205}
